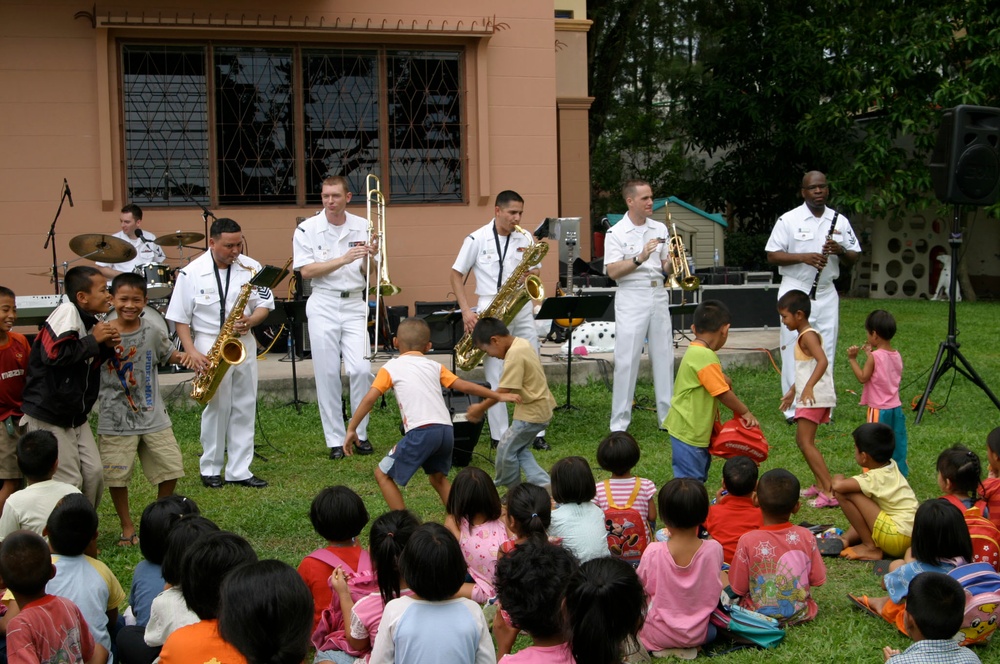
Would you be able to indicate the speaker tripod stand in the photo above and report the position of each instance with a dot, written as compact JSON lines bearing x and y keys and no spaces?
{"x":949,"y":356}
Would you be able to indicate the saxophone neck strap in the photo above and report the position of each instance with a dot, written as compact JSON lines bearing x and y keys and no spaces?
{"x":501,"y":254}
{"x":223,"y":294}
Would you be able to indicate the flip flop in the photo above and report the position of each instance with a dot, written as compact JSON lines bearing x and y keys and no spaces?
{"x":128,"y":541}
{"x":862,"y":603}
{"x":880,"y":567}
{"x":851,"y":554}
{"x":830,"y":546}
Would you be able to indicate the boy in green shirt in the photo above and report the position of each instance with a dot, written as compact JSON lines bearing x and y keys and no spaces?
{"x":699,"y":387}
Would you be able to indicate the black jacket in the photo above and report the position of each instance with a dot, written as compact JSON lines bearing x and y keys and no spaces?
{"x":64,"y":368}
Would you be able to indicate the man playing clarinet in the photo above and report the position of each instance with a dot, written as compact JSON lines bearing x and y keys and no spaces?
{"x":805,"y":242}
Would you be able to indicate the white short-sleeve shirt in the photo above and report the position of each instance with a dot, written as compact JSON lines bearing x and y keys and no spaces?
{"x":317,"y":240}
{"x":479,"y":253}
{"x":799,"y":231}
{"x":626,"y":240}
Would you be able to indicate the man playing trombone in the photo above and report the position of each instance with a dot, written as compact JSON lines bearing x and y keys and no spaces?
{"x":329,"y":249}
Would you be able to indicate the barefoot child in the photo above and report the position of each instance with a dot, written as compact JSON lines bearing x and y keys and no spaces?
{"x":880,"y":377}
{"x":814,"y":388}
{"x":878,"y":503}
{"x":430,"y":435}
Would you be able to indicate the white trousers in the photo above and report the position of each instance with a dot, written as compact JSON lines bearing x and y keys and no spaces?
{"x":642,"y":316}
{"x":824,"y":318}
{"x":338,"y":330}
{"x":522,"y":326}
{"x":227,"y":423}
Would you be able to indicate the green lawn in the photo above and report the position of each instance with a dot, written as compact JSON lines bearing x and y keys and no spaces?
{"x":275,"y":520}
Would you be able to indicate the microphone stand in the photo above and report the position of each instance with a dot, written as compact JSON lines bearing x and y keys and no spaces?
{"x":51,"y":238}
{"x":205,"y":212}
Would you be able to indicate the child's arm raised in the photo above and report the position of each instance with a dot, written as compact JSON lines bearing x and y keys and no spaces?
{"x":863,"y":374}
{"x":362,"y":410}
{"x":813,"y":348}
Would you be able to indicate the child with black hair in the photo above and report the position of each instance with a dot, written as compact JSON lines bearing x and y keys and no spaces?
{"x":605,"y":609}
{"x":815,"y":391}
{"x":991,"y":485}
{"x":934,"y":613}
{"x":203,"y":570}
{"x":699,"y":387}
{"x":387,"y":538}
{"x":523,"y":375}
{"x":734,"y":514}
{"x":131,"y":416}
{"x":265,"y":611}
{"x":776,"y":566}
{"x":531,"y":587}
{"x":576,"y":520}
{"x":169,"y":611}
{"x":86,"y":581}
{"x":529,"y":515}
{"x":14,"y":351}
{"x":958,"y":475}
{"x":880,"y":505}
{"x":880,"y":377}
{"x":681,"y":575}
{"x":64,"y":377}
{"x":429,"y":437}
{"x":474,"y":518}
{"x":432,"y":624}
{"x":29,"y":508}
{"x":940,"y":543}
{"x":618,"y":454}
{"x":338,"y":515}
{"x":48,"y":628}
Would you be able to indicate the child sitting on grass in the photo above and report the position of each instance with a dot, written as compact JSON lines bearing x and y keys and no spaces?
{"x":734,"y":513}
{"x":814,"y":389}
{"x":619,"y":454}
{"x":430,"y":436}
{"x":958,"y":476}
{"x":474,"y":518}
{"x":577,"y":521}
{"x":776,"y":567}
{"x":605,"y":607}
{"x":29,"y":508}
{"x":991,"y":485}
{"x":529,"y":515}
{"x":878,"y":503}
{"x":881,"y":376}
{"x":699,"y":388}
{"x":934,"y":613}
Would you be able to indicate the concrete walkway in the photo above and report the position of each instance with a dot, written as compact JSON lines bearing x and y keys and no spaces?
{"x":744,"y":348}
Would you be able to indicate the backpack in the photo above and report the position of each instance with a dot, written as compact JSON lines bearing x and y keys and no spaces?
{"x":628,"y":536}
{"x":330,"y":632}
{"x":747,"y":627}
{"x":737,"y":439}
{"x":982,"y":602}
{"x":984,"y":533}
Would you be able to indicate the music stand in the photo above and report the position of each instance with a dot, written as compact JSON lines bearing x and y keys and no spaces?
{"x":295,"y":311}
{"x":587,"y":306}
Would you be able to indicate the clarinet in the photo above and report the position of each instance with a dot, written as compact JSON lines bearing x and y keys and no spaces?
{"x":819,"y":271}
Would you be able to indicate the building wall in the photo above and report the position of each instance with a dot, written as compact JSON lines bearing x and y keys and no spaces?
{"x":60,"y":118}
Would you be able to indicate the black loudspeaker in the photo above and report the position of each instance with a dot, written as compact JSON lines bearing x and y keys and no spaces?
{"x":443,"y":335}
{"x":965,"y":166}
{"x":466,"y":433}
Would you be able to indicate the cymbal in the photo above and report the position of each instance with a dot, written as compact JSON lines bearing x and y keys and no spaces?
{"x":178,"y":239}
{"x":47,"y":273}
{"x":100,"y":247}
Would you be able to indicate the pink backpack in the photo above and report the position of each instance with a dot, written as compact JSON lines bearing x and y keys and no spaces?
{"x":331,"y":633}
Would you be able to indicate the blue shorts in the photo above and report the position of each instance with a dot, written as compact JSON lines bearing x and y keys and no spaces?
{"x":688,"y":460}
{"x":428,"y":447}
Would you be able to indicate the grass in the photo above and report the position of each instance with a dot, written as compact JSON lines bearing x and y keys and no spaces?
{"x":275,"y":520}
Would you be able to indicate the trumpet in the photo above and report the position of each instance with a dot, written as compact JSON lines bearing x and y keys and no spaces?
{"x":680,"y":276}
{"x":377,"y":236}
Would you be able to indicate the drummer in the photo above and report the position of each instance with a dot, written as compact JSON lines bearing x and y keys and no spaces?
{"x":146,"y":251}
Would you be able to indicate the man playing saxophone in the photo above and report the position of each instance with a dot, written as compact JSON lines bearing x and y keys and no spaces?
{"x":492,"y":252}
{"x":204,"y":296}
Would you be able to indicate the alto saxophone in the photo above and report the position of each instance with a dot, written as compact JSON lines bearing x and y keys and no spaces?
{"x":227,"y":350}
{"x":508,"y":301}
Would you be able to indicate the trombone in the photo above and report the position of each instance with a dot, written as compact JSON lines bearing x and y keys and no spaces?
{"x":377,"y":235}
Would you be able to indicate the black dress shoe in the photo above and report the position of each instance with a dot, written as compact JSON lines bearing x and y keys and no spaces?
{"x":211,"y":481}
{"x":541,"y":445}
{"x":363,"y":447}
{"x":253,"y":482}
{"x":336,"y":453}
{"x":493,"y":443}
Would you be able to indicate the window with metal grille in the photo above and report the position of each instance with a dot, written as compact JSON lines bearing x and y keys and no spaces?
{"x":264,"y":125}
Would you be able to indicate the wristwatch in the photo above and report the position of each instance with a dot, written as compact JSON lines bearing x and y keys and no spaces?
{"x":635,"y":259}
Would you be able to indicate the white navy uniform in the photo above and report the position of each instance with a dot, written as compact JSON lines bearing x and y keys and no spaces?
{"x":642,"y":314}
{"x":146,"y":252}
{"x":337,"y":312}
{"x":480,"y":254}
{"x":799,"y":231}
{"x":227,"y":423}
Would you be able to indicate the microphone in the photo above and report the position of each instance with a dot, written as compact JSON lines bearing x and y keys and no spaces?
{"x":69,"y":194}
{"x":138,"y":234}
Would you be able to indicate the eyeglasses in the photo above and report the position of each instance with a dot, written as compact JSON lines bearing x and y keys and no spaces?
{"x":816,"y":187}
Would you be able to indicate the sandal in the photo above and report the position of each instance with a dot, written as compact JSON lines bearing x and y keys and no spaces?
{"x":861,"y":602}
{"x":823,"y":500}
{"x":811,"y":492}
{"x":830,"y":546}
{"x":128,"y":541}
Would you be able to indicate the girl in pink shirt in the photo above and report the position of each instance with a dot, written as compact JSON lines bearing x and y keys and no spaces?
{"x":605,"y":604}
{"x":474,"y":519}
{"x":681,"y":576}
